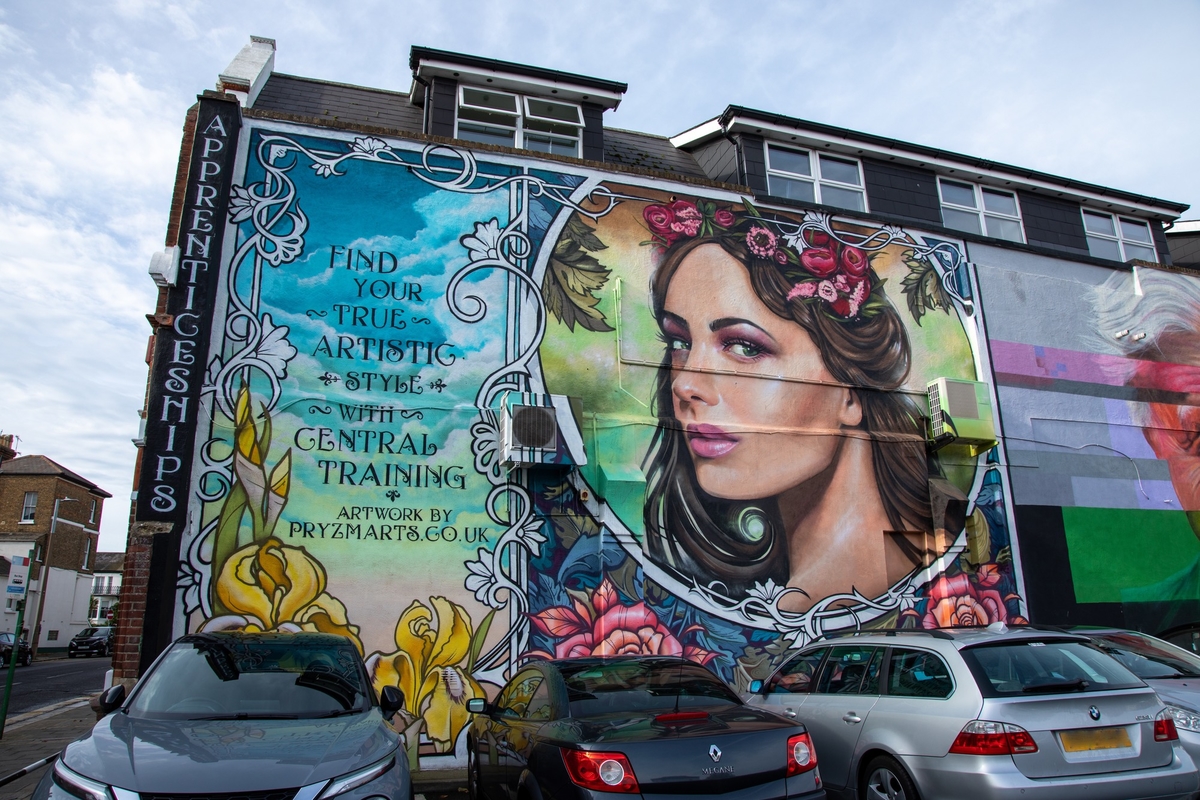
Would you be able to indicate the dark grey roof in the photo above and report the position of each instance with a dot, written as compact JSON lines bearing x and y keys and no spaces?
{"x":418,"y":53}
{"x":40,"y":465}
{"x":646,"y":151}
{"x":933,"y":152}
{"x":306,"y":97}
{"x":108,"y":562}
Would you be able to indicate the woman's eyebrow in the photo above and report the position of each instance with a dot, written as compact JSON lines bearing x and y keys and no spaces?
{"x":674,"y":319}
{"x":727,"y":322}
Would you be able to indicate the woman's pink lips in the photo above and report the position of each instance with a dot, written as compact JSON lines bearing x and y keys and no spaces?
{"x":709,"y":441}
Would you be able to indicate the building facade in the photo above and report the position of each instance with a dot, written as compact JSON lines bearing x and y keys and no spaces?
{"x":469,"y":377}
{"x":51,"y":515}
{"x":106,"y":588}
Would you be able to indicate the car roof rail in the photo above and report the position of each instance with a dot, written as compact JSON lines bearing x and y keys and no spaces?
{"x":934,"y":632}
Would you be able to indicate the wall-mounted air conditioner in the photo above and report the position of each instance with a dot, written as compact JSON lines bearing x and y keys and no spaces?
{"x":539,"y":430}
{"x":960,"y":414}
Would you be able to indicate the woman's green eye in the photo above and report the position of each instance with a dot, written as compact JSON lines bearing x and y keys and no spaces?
{"x":679,"y":344}
{"x":746,"y":349}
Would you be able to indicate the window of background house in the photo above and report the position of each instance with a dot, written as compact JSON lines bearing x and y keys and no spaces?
{"x":29,"y":508}
{"x":52,"y":636}
{"x":981,"y":209}
{"x":1118,"y":238}
{"x":530,"y":123}
{"x":87,"y":552}
{"x":815,"y":178}
{"x":92,"y":513}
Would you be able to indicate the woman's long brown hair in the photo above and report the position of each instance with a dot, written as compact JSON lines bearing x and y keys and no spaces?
{"x":705,"y":539}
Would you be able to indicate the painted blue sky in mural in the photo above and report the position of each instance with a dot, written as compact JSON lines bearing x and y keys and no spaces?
{"x":94,"y":95}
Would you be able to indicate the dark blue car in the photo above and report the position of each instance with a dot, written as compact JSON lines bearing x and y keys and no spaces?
{"x":261,"y":716}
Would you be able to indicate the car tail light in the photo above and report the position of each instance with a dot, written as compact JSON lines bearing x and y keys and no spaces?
{"x":981,"y":737}
{"x":801,"y":756}
{"x":1164,"y":728}
{"x":604,"y":772}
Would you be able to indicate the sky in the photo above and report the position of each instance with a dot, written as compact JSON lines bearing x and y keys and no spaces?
{"x":93,"y":96}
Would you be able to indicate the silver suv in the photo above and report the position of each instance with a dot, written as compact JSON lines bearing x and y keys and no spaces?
{"x":979,"y":713}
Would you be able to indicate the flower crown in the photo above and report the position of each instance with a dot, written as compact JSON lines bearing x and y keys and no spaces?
{"x":821,"y":268}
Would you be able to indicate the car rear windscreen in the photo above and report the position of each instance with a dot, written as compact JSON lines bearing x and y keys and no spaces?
{"x":1028,"y":668}
{"x":203,"y":677}
{"x":634,"y":686}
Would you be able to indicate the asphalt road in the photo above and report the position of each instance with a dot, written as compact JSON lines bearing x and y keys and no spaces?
{"x":46,"y":682}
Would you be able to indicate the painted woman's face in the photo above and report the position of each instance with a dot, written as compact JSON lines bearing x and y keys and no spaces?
{"x":747,"y":385}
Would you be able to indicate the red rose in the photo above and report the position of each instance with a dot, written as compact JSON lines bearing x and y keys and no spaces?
{"x":723,"y":218}
{"x":819,"y":261}
{"x":659,"y":218}
{"x":817,"y":238}
{"x":841,"y":307}
{"x":854,"y":262}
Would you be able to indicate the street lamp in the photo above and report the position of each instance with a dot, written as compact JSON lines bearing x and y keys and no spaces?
{"x":45,"y":583}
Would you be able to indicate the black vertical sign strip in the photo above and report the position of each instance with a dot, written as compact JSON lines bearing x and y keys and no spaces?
{"x":180,"y":357}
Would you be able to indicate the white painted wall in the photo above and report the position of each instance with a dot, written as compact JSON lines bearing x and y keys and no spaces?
{"x":66,"y":607}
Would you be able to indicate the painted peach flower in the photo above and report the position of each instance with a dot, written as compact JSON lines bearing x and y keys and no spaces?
{"x":605,"y":627}
{"x":956,"y":602}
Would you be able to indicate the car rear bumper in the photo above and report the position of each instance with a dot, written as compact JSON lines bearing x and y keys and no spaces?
{"x":997,"y":778}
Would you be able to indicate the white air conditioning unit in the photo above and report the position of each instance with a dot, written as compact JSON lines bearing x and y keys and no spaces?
{"x":960,"y":414}
{"x":531,"y":431}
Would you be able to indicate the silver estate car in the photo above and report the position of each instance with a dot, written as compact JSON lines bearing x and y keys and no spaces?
{"x":979,"y":713}
{"x":1172,"y":672}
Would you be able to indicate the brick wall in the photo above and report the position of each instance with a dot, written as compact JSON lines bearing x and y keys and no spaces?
{"x":131,"y":609}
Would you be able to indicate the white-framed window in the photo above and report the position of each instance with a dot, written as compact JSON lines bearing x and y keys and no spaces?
{"x":512,"y":120}
{"x":29,"y":507}
{"x":92,"y":513}
{"x":815,"y":177}
{"x":87,"y":552}
{"x":980,"y":209}
{"x":1118,"y":238}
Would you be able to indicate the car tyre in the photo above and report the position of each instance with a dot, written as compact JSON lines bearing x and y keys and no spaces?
{"x":885,"y":779}
{"x":71,"y":655}
{"x":472,"y":771}
{"x":27,"y":660}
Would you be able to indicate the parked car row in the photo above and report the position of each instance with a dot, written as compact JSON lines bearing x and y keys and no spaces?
{"x":980,"y":713}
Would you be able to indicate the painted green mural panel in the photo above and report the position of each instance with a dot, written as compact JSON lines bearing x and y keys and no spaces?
{"x":1129,"y":555}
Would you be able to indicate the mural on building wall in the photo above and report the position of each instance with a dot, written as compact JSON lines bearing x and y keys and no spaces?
{"x":1101,"y":424}
{"x":740,"y":463}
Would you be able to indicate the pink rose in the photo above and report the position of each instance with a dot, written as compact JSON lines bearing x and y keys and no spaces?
{"x":659,"y":219}
{"x":819,"y":261}
{"x":826,"y":291}
{"x":723,"y":218}
{"x":780,"y":257}
{"x":687,"y":218}
{"x":854,"y":262}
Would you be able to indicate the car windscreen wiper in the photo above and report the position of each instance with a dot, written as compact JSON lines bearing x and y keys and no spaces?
{"x":246,"y":715}
{"x":339,"y":713}
{"x":1057,"y":686}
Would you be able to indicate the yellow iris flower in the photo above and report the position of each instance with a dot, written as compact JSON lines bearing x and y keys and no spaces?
{"x":275,"y":587}
{"x":428,"y":668}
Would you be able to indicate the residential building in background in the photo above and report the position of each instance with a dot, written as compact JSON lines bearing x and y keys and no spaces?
{"x":62,"y":546}
{"x":460,"y":372}
{"x":1183,"y":238}
{"x":106,"y":587}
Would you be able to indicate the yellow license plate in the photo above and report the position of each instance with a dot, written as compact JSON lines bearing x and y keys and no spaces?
{"x":1094,"y":739}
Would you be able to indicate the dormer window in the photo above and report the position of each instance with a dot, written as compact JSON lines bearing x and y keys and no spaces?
{"x":1118,"y":238}
{"x":815,"y":178}
{"x":980,"y":209}
{"x":510,"y":120}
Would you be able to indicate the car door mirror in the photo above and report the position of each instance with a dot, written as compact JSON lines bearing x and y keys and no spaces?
{"x":391,"y":700}
{"x":112,"y":699}
{"x":478,"y":705}
{"x":756,"y":687}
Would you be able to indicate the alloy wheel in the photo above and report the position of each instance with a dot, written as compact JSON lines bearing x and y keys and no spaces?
{"x":885,"y":785}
